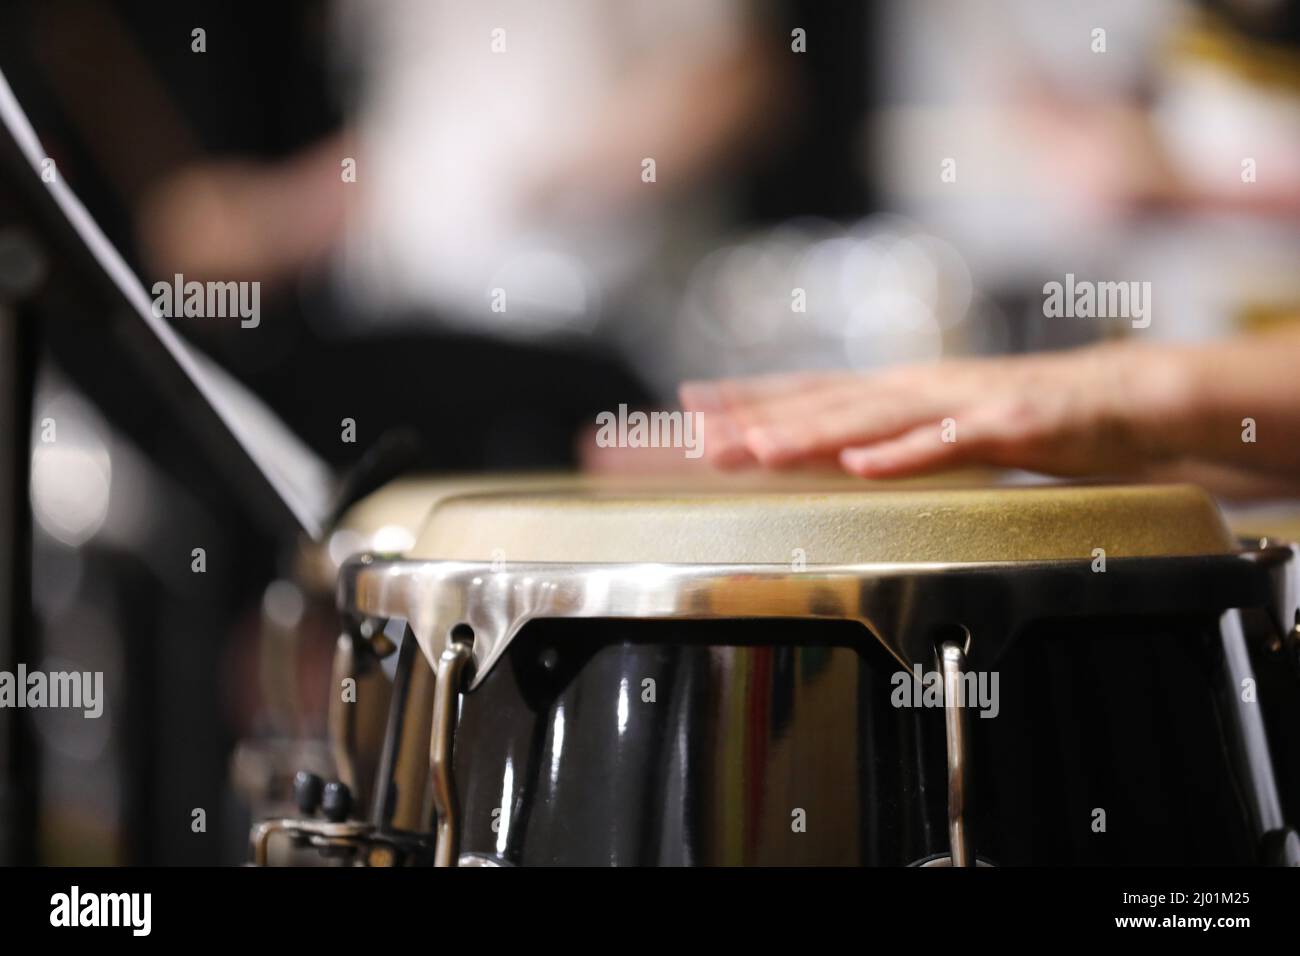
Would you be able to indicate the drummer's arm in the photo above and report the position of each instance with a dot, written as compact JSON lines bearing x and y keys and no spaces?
{"x":1241,"y":405}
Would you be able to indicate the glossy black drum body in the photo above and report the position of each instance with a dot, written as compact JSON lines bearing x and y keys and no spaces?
{"x":643,"y":677}
{"x":779,"y":742}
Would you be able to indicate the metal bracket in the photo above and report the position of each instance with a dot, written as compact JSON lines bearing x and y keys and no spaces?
{"x":899,"y":605}
{"x":953,"y":661}
{"x":348,"y":838}
{"x":446,"y":704}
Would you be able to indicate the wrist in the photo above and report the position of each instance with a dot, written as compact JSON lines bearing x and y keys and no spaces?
{"x":1162,"y":388}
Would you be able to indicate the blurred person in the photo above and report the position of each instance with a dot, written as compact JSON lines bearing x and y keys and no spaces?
{"x":498,"y":144}
{"x":1215,"y":128}
{"x":1158,"y":139}
{"x":502,"y":219}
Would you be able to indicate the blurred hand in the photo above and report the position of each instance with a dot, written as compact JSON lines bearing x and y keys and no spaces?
{"x":1090,"y":411}
{"x":232,"y":219}
{"x":1105,"y":159}
{"x":204,"y":222}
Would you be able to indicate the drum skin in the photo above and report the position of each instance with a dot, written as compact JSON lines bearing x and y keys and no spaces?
{"x":600,"y":742}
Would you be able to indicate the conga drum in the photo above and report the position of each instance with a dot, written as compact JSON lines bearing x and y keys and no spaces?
{"x":996,"y":676}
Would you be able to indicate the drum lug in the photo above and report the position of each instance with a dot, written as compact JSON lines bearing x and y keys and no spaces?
{"x":953,"y":662}
{"x":446,"y":697}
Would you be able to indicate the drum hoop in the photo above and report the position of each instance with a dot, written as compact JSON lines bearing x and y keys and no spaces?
{"x":902,"y":606}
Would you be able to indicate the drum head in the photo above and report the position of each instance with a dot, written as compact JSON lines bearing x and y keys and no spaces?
{"x":832,"y":524}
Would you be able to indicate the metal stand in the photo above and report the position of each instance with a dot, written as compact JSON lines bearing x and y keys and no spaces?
{"x":18,"y":752}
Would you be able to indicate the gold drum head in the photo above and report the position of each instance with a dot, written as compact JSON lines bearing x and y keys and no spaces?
{"x":839,"y":523}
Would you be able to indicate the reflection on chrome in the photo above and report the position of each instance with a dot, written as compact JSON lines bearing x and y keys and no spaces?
{"x":507,"y":803}
{"x":898,"y":604}
{"x":392,"y":539}
{"x":622,"y":707}
{"x":557,"y":744}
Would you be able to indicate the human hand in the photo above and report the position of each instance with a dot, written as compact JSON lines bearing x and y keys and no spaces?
{"x":1090,"y":411}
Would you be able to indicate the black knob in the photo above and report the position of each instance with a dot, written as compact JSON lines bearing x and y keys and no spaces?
{"x":307,"y":789}
{"x":336,"y":802}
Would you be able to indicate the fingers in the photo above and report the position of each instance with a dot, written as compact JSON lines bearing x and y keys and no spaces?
{"x":1002,"y":433}
{"x":889,"y":422}
{"x":1039,"y":413}
{"x":724,"y":441}
{"x":731,"y":406}
{"x":783,"y":420}
{"x":821,"y":422}
{"x":827,"y":424}
{"x":919,"y":451}
{"x":730,"y":393}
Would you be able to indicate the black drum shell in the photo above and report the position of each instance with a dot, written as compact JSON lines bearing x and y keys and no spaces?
{"x":778,"y":742}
